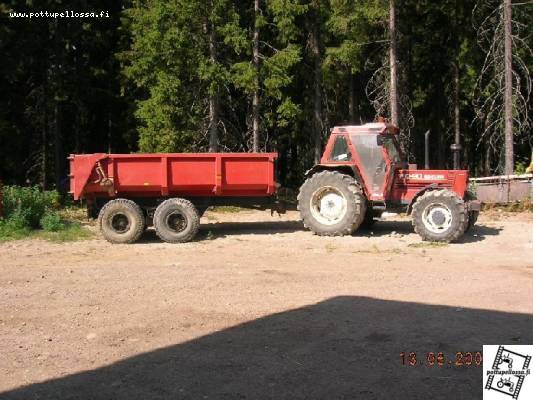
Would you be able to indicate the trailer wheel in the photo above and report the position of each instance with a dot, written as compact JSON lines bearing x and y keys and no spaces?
{"x":439,"y":216}
{"x":121,"y":221}
{"x":331,"y":204}
{"x":176,"y":220}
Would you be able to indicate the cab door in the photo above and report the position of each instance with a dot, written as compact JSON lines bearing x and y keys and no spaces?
{"x":373,"y":164}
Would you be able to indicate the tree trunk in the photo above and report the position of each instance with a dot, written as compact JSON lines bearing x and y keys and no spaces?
{"x":393,"y":66}
{"x":58,"y":147}
{"x":109,"y":132}
{"x":255,"y":100}
{"x":44,"y":138}
{"x":456,"y":116}
{"x":213,"y":98}
{"x":317,"y":82}
{"x":509,"y":152}
{"x":59,"y":157}
{"x":488,"y":169}
{"x":352,"y":100}
{"x":457,"y":92}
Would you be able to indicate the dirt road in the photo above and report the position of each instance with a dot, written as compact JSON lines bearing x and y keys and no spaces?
{"x":262,"y":310}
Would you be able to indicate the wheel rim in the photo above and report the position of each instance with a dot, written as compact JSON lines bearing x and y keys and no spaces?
{"x":437,"y":217}
{"x":328,"y":205}
{"x":176,"y":222}
{"x":120,"y":223}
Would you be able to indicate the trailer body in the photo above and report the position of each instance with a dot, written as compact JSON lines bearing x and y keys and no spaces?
{"x":187,"y":175}
{"x":171,"y":191}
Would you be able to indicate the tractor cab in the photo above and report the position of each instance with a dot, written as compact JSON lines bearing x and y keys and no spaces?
{"x":372,"y":150}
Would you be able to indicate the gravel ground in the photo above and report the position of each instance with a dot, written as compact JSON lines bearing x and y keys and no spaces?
{"x":259,"y":308}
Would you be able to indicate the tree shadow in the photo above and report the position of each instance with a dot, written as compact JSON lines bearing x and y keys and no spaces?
{"x":341,"y":348}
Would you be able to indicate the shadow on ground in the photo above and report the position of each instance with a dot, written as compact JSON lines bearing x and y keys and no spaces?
{"x":218,"y":230}
{"x":341,"y":348}
{"x":384,"y":228}
{"x":210,"y":231}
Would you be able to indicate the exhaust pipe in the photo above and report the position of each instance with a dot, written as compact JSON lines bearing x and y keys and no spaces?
{"x":456,"y":150}
{"x":426,"y":149}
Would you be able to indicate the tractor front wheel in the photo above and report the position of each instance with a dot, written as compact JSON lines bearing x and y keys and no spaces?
{"x":439,"y":216}
{"x":331,"y":204}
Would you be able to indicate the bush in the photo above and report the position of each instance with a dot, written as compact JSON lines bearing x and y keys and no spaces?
{"x":28,"y":208}
{"x":51,"y":222}
{"x":25,"y":206}
{"x":12,"y":229}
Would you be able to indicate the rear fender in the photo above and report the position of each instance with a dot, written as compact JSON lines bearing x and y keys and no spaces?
{"x":344,"y":169}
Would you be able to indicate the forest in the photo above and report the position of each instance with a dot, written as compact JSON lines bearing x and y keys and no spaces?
{"x":263,"y":75}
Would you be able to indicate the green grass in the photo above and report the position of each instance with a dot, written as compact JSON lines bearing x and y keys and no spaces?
{"x":330,"y":248}
{"x":227,"y":209}
{"x":376,"y":250}
{"x":32,"y":213}
{"x":517,"y":206}
{"x":73,"y":213}
{"x":70,"y":231}
{"x":423,"y":245}
{"x":8,"y":232}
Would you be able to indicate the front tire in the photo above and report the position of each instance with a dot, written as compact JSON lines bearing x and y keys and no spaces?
{"x":331,"y":204}
{"x":439,"y":216}
{"x":176,"y":221}
{"x":121,"y":221}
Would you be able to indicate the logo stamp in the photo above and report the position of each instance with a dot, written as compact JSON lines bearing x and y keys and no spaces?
{"x":506,"y":372}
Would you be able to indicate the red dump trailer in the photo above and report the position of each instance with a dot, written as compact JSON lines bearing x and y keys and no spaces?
{"x":128,"y":192}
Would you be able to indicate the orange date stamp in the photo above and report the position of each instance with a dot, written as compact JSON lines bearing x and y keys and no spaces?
{"x":440,"y":359}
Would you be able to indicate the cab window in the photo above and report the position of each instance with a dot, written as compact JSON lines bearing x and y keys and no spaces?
{"x":392,"y":150}
{"x":340,"y":151}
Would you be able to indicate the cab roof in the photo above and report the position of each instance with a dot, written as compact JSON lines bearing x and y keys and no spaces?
{"x":376,"y":128}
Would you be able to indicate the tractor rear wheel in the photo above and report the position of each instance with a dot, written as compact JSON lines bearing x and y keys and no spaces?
{"x":176,"y":220}
{"x":439,"y":216}
{"x":331,"y":204}
{"x":121,"y":221}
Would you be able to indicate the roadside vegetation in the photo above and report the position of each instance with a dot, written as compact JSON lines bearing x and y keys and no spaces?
{"x":29,"y":212}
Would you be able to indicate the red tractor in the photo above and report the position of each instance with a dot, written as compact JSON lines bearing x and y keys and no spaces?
{"x":363,"y":173}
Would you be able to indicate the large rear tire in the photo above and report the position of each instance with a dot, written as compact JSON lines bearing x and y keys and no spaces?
{"x":331,"y":204}
{"x":176,"y":220}
{"x":121,"y":221}
{"x":439,"y":216}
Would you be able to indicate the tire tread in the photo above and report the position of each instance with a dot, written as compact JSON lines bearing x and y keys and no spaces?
{"x":459,"y":212}
{"x":352,"y":185}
